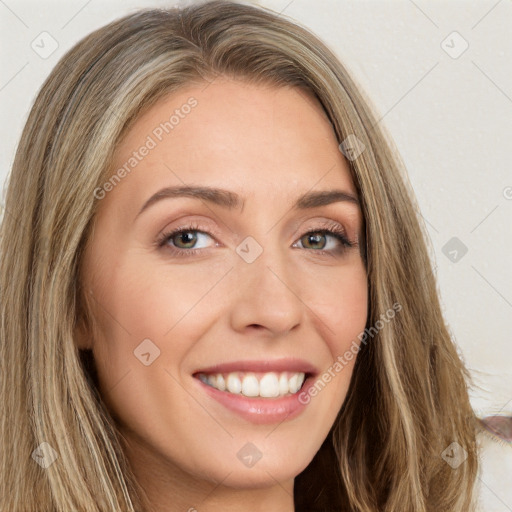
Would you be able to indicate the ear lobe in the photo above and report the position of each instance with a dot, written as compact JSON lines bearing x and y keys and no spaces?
{"x":81,"y":335}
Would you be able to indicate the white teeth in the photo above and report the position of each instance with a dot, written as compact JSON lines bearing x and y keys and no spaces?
{"x":221,"y":383}
{"x":268,"y":385}
{"x":250,"y":385}
{"x":283,"y":384}
{"x":233,"y":384}
{"x":294,"y":384}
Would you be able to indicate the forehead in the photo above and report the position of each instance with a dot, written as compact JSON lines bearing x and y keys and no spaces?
{"x":261,"y":139}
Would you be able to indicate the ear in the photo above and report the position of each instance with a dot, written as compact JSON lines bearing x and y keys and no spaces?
{"x":82,"y":336}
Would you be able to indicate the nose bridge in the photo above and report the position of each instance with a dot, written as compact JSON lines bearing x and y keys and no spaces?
{"x":266,"y":294}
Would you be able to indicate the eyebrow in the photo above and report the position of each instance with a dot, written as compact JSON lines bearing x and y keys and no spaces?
{"x":231,"y":200}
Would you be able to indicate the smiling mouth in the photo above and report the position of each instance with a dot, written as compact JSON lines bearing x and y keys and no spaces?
{"x":256,"y":384}
{"x":260,"y":391}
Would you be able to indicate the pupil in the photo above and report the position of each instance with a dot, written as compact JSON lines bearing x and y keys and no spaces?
{"x":315,"y":238}
{"x":186,"y":237}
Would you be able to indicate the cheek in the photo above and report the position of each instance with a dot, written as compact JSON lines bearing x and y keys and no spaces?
{"x":149,"y":317}
{"x":144,"y":299}
{"x":148,"y":326}
{"x":340,"y":305}
{"x":339,"y":300}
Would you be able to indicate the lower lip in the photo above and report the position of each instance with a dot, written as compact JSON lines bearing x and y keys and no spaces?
{"x":260,"y":410}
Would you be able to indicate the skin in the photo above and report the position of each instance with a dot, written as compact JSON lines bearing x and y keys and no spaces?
{"x":269,"y":145}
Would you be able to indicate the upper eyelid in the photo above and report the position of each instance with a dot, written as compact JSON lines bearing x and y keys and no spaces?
{"x":351,"y":220}
{"x":194,"y":225}
{"x":186,"y":224}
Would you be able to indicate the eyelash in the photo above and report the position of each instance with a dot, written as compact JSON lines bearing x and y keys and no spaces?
{"x":328,"y":228}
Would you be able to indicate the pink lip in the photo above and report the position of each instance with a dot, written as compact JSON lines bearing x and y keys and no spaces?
{"x":261,"y":410}
{"x":278,"y":365}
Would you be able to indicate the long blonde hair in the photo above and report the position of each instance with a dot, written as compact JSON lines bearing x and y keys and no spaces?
{"x":408,"y":397}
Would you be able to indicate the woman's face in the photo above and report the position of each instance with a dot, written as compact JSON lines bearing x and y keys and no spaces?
{"x":253,"y":290}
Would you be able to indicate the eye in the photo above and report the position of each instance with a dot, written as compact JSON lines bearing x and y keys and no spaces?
{"x":184,"y":240}
{"x":316,"y":238}
{"x":186,"y":237}
{"x":337,"y":245}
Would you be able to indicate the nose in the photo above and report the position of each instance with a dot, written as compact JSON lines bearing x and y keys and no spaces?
{"x":266,"y":295}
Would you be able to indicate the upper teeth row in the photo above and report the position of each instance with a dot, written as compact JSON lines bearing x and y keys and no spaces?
{"x":249,"y":384}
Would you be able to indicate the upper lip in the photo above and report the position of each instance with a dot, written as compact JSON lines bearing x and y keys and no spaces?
{"x":277,"y":365}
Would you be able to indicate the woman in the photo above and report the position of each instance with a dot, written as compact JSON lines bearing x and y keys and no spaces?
{"x":257,"y":371}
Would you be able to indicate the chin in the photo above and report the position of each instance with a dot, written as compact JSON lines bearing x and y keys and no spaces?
{"x":265,"y":472}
